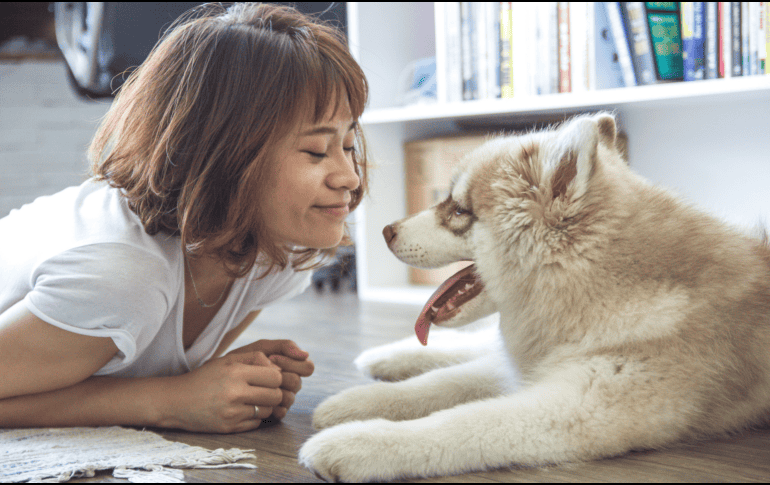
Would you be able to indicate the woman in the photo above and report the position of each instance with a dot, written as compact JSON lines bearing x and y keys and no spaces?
{"x":224,"y":169}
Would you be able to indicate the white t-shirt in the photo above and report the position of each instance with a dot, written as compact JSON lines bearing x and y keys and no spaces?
{"x":81,"y":261}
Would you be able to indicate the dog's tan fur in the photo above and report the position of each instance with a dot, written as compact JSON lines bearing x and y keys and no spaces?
{"x":634,"y":320}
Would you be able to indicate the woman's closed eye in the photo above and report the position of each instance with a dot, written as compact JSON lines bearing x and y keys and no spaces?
{"x":324,"y":155}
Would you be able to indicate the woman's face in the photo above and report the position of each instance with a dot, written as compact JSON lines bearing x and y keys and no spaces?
{"x":307,"y":202}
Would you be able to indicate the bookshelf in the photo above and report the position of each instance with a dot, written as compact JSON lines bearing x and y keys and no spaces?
{"x":707,"y":140}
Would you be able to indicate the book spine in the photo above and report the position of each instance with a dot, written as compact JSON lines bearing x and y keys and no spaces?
{"x":442,"y":72}
{"x":639,"y":42}
{"x":615,"y":16}
{"x":553,"y":47}
{"x":607,"y":70}
{"x":590,"y":66}
{"x":564,"y":48}
{"x":767,"y":37}
{"x":725,"y":40}
{"x":493,"y":50}
{"x":521,"y":47}
{"x":506,"y":64}
{"x":577,"y":45}
{"x":542,"y":60}
{"x":762,"y":61}
{"x":454,"y":59}
{"x":745,"y":38}
{"x":712,"y":41}
{"x":664,"y":26}
{"x":467,"y":52}
{"x":530,"y":51}
{"x":753,"y":38}
{"x":693,"y":40}
{"x":735,"y":23}
{"x":480,"y":28}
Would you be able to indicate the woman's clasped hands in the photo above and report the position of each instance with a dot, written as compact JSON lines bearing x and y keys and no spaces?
{"x":221,"y":395}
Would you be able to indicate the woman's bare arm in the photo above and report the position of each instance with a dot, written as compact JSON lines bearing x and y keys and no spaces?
{"x":47,"y":382}
{"x":37,"y":357}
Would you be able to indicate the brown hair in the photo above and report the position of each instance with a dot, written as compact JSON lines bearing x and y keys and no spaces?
{"x":190,"y":136}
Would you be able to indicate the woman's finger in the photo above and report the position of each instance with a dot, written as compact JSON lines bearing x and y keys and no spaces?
{"x":262,"y":396}
{"x":287,"y":399}
{"x":247,"y":425}
{"x":291,"y":382}
{"x":303,"y":368}
{"x":280,"y":412}
{"x":261,"y":376}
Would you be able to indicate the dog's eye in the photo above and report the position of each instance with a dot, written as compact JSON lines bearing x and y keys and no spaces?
{"x":459,"y":211}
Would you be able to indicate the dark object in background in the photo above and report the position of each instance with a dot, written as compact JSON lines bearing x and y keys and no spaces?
{"x":103,"y":41}
{"x":27,"y":31}
{"x":342,"y":268}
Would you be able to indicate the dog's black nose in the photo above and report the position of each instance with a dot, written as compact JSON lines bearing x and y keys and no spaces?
{"x":389,"y":233}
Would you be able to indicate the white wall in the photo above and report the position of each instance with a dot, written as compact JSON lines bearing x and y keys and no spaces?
{"x":44,"y":132}
{"x":733,"y":180}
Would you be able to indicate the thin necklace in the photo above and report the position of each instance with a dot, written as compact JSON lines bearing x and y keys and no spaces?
{"x":200,"y":302}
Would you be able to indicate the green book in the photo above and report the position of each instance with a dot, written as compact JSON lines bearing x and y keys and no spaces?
{"x":665,"y":33}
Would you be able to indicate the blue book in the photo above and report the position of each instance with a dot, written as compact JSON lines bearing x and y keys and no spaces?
{"x":693,"y":40}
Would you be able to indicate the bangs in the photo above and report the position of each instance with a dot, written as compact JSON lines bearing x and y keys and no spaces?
{"x":325,"y":78}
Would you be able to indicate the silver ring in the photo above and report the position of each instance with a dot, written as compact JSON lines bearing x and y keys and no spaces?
{"x":256,"y":412}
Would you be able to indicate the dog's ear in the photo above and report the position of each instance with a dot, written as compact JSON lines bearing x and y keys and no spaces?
{"x":576,"y":153}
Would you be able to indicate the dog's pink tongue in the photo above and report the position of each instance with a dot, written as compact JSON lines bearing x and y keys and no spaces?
{"x":436,"y":302}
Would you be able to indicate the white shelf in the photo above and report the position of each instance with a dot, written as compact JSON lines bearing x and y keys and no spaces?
{"x":668,"y":93}
{"x":707,"y":140}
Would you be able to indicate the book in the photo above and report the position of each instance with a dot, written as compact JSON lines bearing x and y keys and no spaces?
{"x":565,"y":76}
{"x":506,"y":61}
{"x":480,"y":45}
{"x":663,"y":21}
{"x":711,"y":41}
{"x":578,"y":47}
{"x":492,"y":15}
{"x":615,"y":18}
{"x":764,"y":37}
{"x":725,"y":40}
{"x":453,"y":38}
{"x":737,"y":45}
{"x":767,"y":37}
{"x":693,"y":40}
{"x":608,"y":65}
{"x":640,"y":45}
{"x":467,"y":51}
{"x":547,"y":52}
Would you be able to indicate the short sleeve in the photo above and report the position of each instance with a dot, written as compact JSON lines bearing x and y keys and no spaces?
{"x":104,"y":290}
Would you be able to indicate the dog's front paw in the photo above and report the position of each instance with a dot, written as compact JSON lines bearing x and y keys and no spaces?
{"x":356,"y":452}
{"x":355,"y":404}
{"x":392,"y":362}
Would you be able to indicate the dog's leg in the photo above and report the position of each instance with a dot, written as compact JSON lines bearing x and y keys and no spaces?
{"x":408,"y":358}
{"x":579,"y":415}
{"x":419,"y":396}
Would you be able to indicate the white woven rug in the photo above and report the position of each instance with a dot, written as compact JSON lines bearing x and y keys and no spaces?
{"x":59,"y":454}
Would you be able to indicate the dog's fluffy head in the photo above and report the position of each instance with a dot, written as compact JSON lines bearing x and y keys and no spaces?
{"x":540,"y":195}
{"x":517,"y":203}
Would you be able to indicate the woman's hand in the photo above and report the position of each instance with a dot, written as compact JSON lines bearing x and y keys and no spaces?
{"x":292,"y":361}
{"x":220,"y":395}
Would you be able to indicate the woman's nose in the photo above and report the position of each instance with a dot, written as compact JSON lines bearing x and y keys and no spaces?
{"x":343,"y":175}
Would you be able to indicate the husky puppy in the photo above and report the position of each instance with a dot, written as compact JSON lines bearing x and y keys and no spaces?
{"x":627,"y":320}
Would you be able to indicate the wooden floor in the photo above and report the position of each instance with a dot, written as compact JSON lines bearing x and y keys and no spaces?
{"x":335,"y":328}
